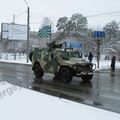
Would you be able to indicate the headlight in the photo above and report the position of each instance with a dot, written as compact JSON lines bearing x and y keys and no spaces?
{"x":74,"y":66}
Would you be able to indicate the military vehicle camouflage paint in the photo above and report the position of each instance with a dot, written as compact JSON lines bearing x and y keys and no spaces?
{"x":64,"y":64}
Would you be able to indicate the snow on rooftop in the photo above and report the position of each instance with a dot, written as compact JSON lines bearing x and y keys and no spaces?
{"x":18,"y":103}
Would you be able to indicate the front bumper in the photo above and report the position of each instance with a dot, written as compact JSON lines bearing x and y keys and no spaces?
{"x":81,"y":74}
{"x":83,"y":69}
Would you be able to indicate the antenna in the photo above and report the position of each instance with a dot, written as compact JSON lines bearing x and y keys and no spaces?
{"x":13,"y":18}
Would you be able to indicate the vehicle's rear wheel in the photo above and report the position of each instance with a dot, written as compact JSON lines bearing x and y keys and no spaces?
{"x":65,"y":74}
{"x":86,"y":77}
{"x":38,"y":72}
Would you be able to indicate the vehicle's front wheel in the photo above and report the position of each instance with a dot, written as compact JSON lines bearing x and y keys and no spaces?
{"x":65,"y":74}
{"x":86,"y":77}
{"x":38,"y":72}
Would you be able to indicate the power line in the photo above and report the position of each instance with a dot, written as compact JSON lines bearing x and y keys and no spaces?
{"x":35,"y":15}
{"x":19,"y":15}
{"x":102,"y":14}
{"x":95,"y":15}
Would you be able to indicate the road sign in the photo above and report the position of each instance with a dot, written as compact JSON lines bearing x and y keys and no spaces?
{"x":73,"y":44}
{"x":12,"y":31}
{"x":98,"y":34}
{"x":45,"y":31}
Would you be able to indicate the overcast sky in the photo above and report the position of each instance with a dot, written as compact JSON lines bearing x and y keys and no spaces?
{"x":58,"y":8}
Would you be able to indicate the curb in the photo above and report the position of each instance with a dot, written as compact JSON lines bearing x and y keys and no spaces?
{"x":27,"y":64}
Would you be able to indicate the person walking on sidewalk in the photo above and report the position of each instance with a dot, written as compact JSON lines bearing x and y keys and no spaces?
{"x":113,"y":60}
{"x":90,"y":56}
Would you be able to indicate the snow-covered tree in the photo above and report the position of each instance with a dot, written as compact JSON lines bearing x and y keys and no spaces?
{"x":111,"y":29}
{"x":61,"y":24}
{"x":47,"y":21}
{"x":79,"y":23}
{"x":76,"y":26}
{"x":112,"y":44}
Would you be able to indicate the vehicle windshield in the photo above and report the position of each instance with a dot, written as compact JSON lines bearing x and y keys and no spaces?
{"x":69,"y":54}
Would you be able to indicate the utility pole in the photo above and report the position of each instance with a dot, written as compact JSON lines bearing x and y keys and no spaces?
{"x":14,"y":40}
{"x":99,"y":35}
{"x":28,"y":28}
{"x":14,"y":19}
{"x":98,"y":52}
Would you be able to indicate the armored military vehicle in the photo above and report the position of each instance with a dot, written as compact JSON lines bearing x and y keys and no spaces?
{"x":64,"y":64}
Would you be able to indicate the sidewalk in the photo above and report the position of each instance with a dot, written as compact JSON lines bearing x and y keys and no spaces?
{"x":108,"y":71}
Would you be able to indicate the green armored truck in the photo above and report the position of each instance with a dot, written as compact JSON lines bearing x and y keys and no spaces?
{"x":64,"y":64}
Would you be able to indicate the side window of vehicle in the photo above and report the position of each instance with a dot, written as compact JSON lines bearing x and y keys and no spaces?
{"x":46,"y":55}
{"x":53,"y":54}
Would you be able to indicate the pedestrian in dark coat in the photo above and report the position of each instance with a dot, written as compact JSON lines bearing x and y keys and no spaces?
{"x":113,"y":63}
{"x":90,"y":56}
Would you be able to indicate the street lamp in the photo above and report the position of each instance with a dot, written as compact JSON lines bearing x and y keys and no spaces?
{"x":28,"y":28}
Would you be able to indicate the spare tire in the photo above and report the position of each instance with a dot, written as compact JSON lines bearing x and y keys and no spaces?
{"x":30,"y":56}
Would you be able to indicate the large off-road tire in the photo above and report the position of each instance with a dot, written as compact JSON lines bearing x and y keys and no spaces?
{"x":38,"y":72}
{"x":30,"y":56}
{"x":86,"y":77}
{"x":65,"y":74}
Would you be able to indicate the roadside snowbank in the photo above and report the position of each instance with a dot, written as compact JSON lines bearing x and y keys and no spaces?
{"x":104,"y":64}
{"x":21,"y":59}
